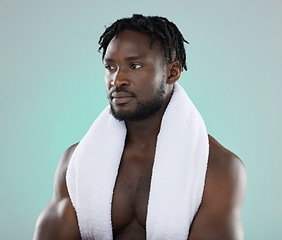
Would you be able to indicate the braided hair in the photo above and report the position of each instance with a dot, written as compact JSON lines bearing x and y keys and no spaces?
{"x":159,"y":28}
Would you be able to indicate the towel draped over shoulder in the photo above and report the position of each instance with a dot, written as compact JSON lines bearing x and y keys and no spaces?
{"x":178,"y":173}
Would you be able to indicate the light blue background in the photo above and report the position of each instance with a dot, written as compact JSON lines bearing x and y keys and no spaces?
{"x":52,"y":90}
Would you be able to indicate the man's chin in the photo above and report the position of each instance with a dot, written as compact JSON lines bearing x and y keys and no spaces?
{"x":121,"y":115}
{"x":136,"y":113}
{"x":130,"y":116}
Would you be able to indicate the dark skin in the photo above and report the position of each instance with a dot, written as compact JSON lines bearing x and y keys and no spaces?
{"x":219,"y":215}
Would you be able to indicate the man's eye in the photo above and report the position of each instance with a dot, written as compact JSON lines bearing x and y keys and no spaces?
{"x":109,"y":67}
{"x":135,"y":66}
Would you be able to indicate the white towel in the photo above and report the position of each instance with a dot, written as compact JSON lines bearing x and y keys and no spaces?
{"x":178,"y":174}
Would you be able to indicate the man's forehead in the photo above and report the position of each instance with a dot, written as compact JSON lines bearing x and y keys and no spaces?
{"x":133,"y":42}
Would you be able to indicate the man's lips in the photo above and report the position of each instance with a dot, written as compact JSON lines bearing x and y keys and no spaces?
{"x":121,"y":94}
{"x":121,"y":97}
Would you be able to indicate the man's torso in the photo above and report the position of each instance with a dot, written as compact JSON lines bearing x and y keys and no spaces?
{"x":131,"y":193}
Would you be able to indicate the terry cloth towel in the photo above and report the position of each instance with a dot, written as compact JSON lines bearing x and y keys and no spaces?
{"x":178,"y":173}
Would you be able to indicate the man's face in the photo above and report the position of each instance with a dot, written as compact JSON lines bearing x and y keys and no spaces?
{"x":135,"y":76}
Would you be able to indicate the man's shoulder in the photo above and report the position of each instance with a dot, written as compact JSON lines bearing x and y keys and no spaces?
{"x":224,"y":192}
{"x":58,"y":219}
{"x":220,"y":156}
{"x":60,"y":189}
{"x":64,"y":161}
{"x":226,"y":173}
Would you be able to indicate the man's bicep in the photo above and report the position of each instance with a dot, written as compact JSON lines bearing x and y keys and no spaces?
{"x":57,"y":221}
{"x":219,"y":216}
{"x":220,"y":225}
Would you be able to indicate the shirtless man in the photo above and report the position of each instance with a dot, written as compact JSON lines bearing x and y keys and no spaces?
{"x":133,"y":61}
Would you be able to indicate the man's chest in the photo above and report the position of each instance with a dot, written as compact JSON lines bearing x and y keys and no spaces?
{"x":131,"y":192}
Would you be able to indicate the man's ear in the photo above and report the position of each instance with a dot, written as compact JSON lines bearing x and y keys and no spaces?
{"x":174,"y":72}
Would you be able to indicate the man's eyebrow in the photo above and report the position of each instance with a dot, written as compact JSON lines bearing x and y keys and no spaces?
{"x":131,"y":58}
{"x":108,"y":60}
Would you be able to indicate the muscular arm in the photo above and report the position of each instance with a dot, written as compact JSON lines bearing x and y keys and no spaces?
{"x":58,"y":219}
{"x":219,"y":216}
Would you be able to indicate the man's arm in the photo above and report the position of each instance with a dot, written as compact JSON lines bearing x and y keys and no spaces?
{"x":219,"y":216}
{"x":58,"y":219}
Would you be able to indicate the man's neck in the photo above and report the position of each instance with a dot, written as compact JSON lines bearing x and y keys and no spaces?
{"x":143,"y":132}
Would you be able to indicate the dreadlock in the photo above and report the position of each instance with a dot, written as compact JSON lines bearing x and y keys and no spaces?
{"x":159,"y":28}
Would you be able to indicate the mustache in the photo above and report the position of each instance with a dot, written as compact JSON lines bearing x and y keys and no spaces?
{"x":119,"y":89}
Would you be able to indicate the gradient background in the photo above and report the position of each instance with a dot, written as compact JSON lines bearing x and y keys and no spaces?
{"x":52,"y":89}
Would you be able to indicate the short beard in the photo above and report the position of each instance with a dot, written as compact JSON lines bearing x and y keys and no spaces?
{"x":144,"y":110}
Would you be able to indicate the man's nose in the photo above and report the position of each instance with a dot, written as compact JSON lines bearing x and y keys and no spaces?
{"x":120,"y":78}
